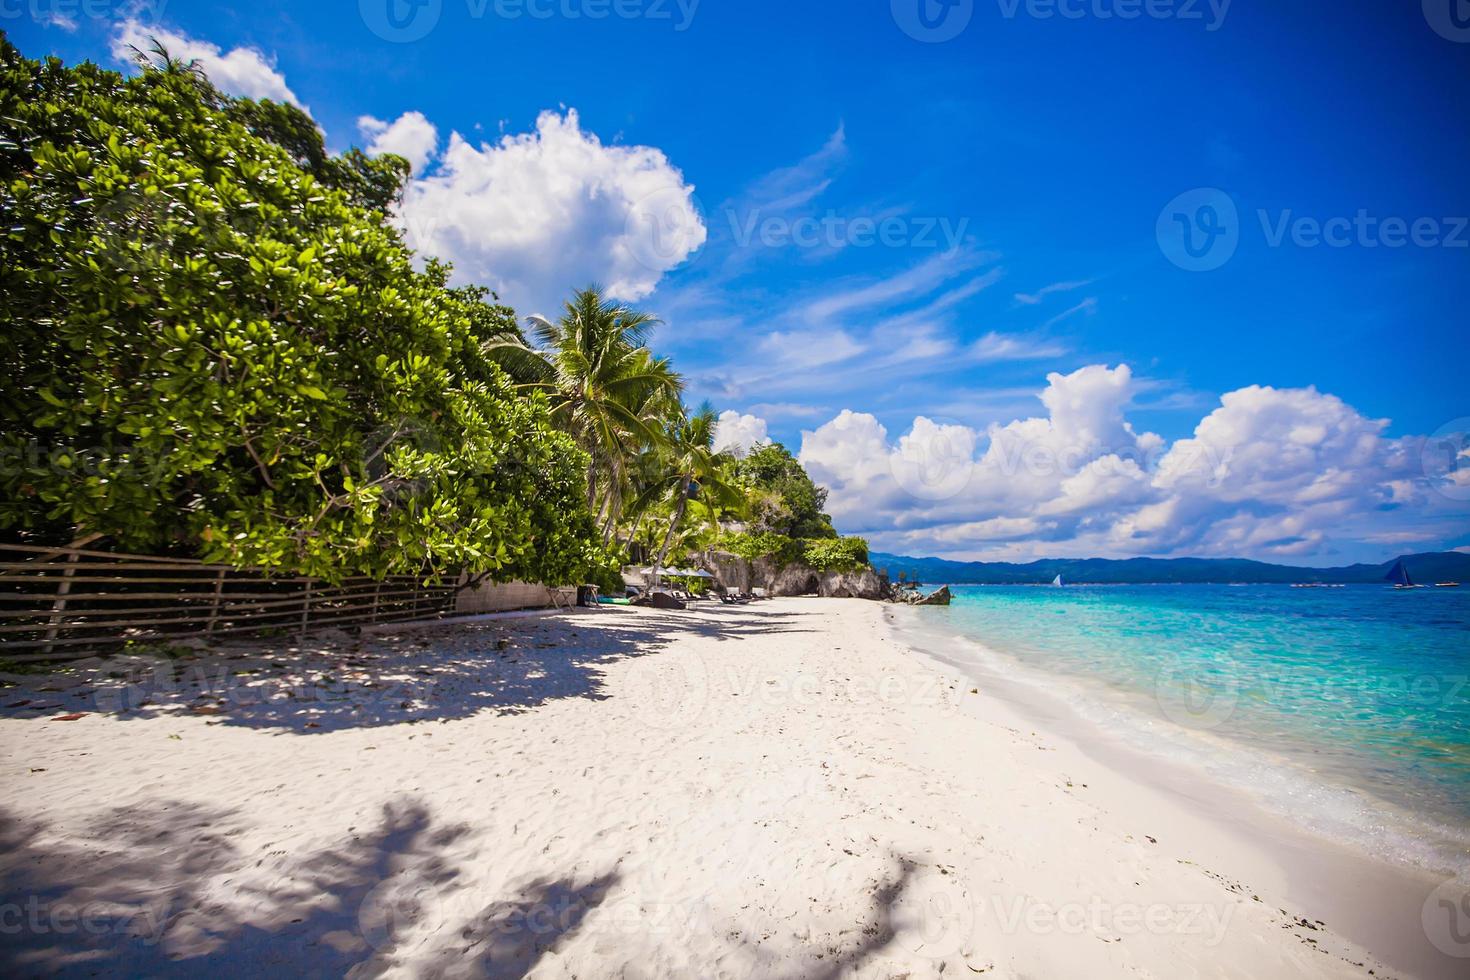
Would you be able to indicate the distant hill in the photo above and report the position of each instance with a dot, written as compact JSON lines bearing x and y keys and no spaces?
{"x":1425,"y":569}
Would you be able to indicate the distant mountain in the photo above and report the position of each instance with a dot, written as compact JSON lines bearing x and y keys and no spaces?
{"x":1426,"y":569}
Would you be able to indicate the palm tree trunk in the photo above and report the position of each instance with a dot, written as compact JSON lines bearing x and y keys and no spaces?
{"x":663,"y":552}
{"x":611,"y":523}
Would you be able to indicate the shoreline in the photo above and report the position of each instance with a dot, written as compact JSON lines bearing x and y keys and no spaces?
{"x":785,"y":789}
{"x":1313,"y":869}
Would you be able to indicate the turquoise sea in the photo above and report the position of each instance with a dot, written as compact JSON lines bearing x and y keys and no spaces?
{"x":1349,"y":708}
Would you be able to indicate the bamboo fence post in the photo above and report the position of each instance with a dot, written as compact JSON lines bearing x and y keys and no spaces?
{"x":306,"y":611}
{"x":58,"y":608}
{"x":219,"y":585}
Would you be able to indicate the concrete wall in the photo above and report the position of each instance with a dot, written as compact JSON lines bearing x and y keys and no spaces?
{"x":507,"y":596}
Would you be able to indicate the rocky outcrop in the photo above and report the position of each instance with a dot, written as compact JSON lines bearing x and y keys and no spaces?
{"x":861,"y":584}
{"x":739,"y":575}
{"x":941,"y":598}
{"x":913,"y":597}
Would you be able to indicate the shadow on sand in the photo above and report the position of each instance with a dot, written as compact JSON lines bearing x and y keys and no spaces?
{"x":161,"y":891}
{"x":343,"y":682}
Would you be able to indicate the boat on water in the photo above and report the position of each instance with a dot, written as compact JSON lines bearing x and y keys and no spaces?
{"x":1447,"y":585}
{"x":1399,"y":576}
{"x":1057,"y":582}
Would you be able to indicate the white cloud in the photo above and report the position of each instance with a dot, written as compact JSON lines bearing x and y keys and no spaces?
{"x":1270,"y":473}
{"x":243,"y":71}
{"x":537,"y":214}
{"x":1014,"y":347}
{"x":1034,"y":299}
{"x":411,"y":136}
{"x":739,"y":434}
{"x":55,"y":18}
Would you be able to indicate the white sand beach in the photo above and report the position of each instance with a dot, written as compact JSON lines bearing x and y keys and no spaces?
{"x":774,"y":790}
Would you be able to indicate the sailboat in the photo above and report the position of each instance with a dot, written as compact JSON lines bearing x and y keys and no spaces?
{"x":1399,"y":576}
{"x":1057,"y":582}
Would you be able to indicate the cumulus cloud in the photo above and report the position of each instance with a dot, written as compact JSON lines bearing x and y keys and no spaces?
{"x":739,"y":434}
{"x":243,"y":71}
{"x":538,"y":213}
{"x":1270,"y":473}
{"x":411,"y":136}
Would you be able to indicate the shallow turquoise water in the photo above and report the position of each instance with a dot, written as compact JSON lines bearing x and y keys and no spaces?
{"x":1364,"y":687}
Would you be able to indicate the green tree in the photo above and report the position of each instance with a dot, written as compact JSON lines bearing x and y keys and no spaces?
{"x":786,"y":500}
{"x":214,"y":350}
{"x":691,"y":467}
{"x":605,"y":388}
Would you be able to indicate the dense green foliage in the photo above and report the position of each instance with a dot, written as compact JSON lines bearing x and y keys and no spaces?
{"x":219,"y":346}
{"x":214,"y":345}
{"x":835,"y":554}
{"x":777,"y":547}
{"x":821,"y":554}
{"x":788,"y":503}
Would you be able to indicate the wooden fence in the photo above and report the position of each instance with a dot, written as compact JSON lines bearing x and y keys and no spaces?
{"x":63,"y":603}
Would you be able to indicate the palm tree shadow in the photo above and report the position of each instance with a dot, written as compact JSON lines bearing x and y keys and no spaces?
{"x":162,"y":892}
{"x":434,"y":674}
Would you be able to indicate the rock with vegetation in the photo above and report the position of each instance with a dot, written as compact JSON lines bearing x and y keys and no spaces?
{"x":738,"y":574}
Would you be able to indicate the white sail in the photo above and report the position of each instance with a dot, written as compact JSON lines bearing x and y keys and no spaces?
{"x":1058,"y":582}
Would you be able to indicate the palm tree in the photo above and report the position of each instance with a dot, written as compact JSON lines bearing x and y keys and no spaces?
{"x":692,"y":467}
{"x":604,"y":385}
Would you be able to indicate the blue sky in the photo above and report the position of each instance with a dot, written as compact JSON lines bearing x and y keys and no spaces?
{"x":1019,"y":173}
